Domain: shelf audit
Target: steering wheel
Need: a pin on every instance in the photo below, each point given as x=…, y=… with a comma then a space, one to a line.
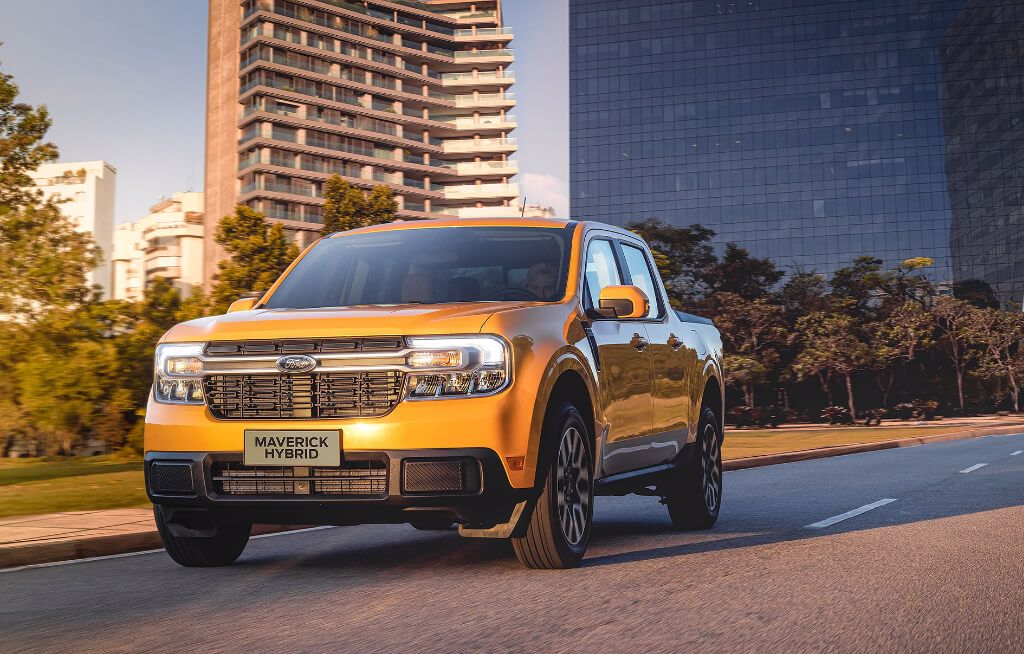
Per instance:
x=516, y=294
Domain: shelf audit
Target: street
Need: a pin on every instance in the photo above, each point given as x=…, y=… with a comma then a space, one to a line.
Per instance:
x=913, y=549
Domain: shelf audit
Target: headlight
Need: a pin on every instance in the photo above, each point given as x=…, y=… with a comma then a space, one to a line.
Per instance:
x=178, y=377
x=457, y=366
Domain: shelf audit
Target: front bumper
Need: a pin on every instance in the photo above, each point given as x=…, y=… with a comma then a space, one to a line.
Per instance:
x=487, y=501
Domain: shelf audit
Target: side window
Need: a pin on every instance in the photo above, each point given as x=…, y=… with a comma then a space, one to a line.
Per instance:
x=640, y=275
x=601, y=269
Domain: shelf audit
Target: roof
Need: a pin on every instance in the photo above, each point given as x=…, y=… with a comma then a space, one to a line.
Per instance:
x=462, y=222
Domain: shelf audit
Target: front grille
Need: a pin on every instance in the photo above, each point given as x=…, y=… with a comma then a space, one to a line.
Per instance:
x=317, y=395
x=358, y=478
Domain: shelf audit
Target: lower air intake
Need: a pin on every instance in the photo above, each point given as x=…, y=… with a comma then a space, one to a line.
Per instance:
x=440, y=476
x=171, y=478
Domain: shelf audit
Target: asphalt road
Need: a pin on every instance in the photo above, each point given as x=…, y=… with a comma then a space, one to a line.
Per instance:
x=940, y=568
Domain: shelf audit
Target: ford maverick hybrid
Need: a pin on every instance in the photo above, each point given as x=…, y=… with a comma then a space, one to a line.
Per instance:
x=494, y=375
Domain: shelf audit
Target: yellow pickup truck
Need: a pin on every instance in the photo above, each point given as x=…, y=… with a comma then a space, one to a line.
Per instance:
x=497, y=375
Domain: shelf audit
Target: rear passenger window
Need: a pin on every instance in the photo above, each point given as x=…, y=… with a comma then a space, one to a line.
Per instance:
x=640, y=275
x=601, y=269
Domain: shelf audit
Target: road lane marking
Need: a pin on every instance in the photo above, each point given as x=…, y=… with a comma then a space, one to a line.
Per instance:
x=124, y=555
x=1016, y=453
x=828, y=522
x=973, y=468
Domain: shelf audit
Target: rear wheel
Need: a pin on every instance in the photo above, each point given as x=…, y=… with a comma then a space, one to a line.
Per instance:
x=221, y=548
x=694, y=496
x=559, y=528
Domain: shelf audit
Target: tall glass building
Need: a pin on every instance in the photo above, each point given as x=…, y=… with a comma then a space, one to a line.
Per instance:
x=809, y=131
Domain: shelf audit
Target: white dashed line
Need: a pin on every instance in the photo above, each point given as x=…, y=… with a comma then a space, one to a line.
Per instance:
x=828, y=522
x=973, y=468
x=1017, y=452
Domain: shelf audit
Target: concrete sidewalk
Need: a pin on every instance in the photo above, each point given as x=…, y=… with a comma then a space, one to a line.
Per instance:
x=30, y=539
x=75, y=535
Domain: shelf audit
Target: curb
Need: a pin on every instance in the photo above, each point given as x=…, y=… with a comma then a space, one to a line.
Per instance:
x=86, y=548
x=840, y=450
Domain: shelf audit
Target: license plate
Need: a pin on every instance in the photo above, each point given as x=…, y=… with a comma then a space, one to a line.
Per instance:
x=292, y=448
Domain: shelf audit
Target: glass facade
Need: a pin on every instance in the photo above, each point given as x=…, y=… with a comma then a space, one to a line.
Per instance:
x=808, y=131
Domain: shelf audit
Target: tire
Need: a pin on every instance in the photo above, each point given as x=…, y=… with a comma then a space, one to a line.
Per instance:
x=559, y=529
x=206, y=552
x=694, y=497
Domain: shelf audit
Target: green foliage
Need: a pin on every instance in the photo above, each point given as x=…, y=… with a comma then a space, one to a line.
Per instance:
x=749, y=277
x=347, y=207
x=258, y=251
x=683, y=256
x=22, y=147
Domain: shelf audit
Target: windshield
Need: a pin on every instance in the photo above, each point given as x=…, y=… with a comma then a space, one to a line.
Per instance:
x=430, y=266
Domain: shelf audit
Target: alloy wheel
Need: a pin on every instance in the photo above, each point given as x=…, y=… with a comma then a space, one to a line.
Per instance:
x=711, y=454
x=572, y=480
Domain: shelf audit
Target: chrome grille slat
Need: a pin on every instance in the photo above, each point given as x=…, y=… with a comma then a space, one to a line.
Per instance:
x=315, y=395
x=304, y=346
x=357, y=478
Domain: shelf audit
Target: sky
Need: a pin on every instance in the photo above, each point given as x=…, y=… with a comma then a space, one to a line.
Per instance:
x=125, y=82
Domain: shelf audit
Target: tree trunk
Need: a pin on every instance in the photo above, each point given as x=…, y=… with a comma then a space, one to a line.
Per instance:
x=960, y=388
x=1015, y=393
x=849, y=395
x=825, y=387
x=748, y=395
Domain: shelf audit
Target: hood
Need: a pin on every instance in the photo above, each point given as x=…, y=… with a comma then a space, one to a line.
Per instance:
x=367, y=320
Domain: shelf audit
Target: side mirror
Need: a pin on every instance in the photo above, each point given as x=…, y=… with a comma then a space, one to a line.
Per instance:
x=623, y=302
x=244, y=304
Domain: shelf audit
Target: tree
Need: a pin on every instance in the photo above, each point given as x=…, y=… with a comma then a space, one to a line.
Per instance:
x=898, y=338
x=259, y=253
x=752, y=333
x=49, y=259
x=1000, y=338
x=682, y=254
x=977, y=293
x=343, y=205
x=738, y=272
x=803, y=292
x=380, y=206
x=43, y=259
x=858, y=284
x=347, y=207
x=22, y=148
x=954, y=318
x=830, y=346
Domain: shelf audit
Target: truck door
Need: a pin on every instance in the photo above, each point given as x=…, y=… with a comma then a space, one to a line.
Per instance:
x=625, y=367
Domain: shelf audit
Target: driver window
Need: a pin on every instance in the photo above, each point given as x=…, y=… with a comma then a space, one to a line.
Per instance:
x=601, y=269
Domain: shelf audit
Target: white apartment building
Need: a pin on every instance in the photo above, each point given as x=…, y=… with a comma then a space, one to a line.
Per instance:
x=86, y=189
x=166, y=243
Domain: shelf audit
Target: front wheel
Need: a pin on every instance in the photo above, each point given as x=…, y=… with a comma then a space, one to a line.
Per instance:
x=221, y=548
x=559, y=528
x=694, y=496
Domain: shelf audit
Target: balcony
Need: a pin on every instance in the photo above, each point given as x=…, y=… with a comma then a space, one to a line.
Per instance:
x=509, y=122
x=482, y=100
x=481, y=191
x=483, y=168
x=484, y=56
x=490, y=78
x=484, y=34
x=480, y=212
x=480, y=145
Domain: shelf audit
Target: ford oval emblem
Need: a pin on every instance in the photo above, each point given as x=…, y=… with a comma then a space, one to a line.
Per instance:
x=296, y=363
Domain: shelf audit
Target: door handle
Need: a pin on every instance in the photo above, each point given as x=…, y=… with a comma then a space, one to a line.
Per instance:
x=675, y=342
x=639, y=342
